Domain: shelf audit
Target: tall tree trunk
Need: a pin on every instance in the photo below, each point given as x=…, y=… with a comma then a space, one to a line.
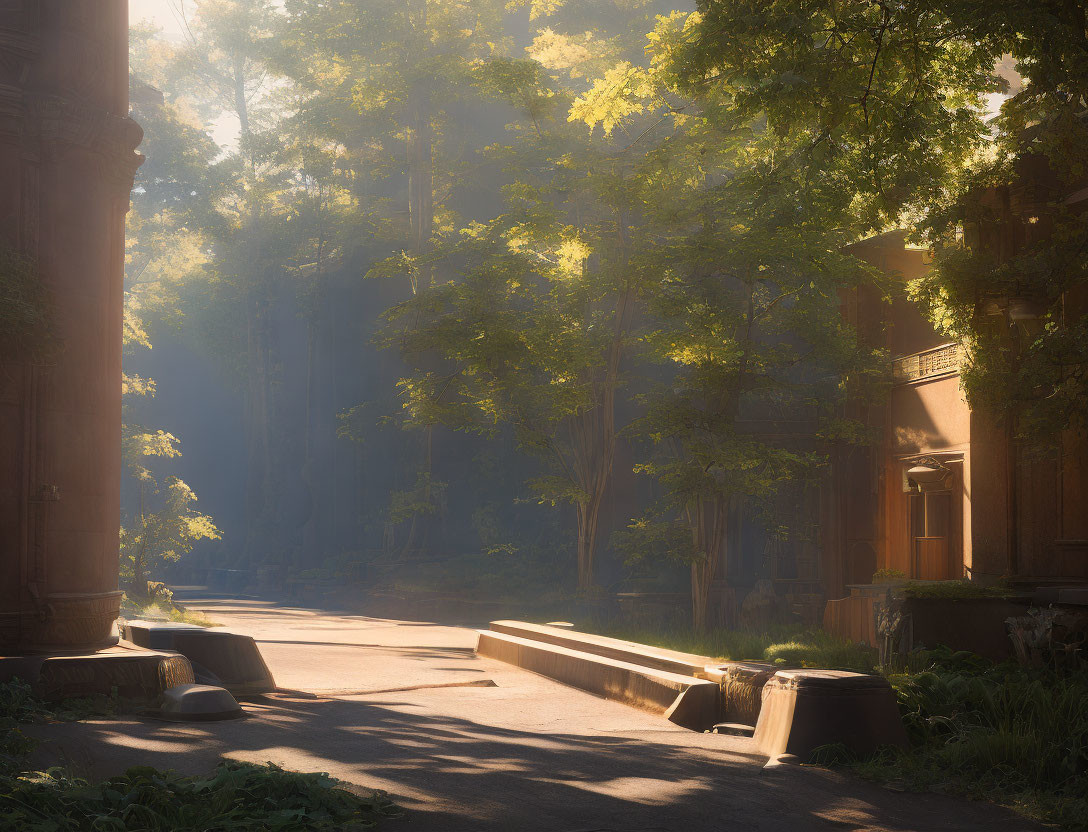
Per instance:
x=419, y=533
x=708, y=518
x=708, y=521
x=594, y=445
x=421, y=220
x=309, y=531
x=139, y=582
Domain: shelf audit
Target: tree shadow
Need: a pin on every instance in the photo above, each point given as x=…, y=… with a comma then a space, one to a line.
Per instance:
x=457, y=774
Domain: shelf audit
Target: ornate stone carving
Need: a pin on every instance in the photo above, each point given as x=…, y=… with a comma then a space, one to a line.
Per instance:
x=77, y=619
x=940, y=361
x=115, y=138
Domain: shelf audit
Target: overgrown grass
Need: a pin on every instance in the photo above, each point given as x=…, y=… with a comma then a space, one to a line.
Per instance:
x=1003, y=733
x=790, y=646
x=954, y=590
x=998, y=732
x=236, y=797
x=162, y=610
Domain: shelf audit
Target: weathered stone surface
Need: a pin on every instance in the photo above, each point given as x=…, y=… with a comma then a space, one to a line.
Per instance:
x=672, y=661
x=805, y=709
x=689, y=702
x=67, y=162
x=219, y=657
x=134, y=673
x=198, y=703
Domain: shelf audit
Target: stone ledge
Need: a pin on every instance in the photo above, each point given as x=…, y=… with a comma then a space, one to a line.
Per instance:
x=805, y=709
x=688, y=702
x=643, y=655
x=133, y=673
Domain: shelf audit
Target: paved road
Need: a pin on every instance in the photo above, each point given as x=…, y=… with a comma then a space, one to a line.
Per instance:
x=472, y=744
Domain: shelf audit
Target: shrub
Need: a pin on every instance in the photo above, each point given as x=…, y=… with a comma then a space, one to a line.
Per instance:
x=236, y=797
x=1001, y=732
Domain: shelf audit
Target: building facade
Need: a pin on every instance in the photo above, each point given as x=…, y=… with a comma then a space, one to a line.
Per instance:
x=947, y=493
x=67, y=161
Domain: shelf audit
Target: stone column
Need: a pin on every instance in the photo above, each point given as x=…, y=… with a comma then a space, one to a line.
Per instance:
x=67, y=161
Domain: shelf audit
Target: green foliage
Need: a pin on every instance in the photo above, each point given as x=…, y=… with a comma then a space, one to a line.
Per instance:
x=163, y=535
x=25, y=308
x=889, y=576
x=954, y=589
x=162, y=609
x=424, y=499
x=649, y=539
x=793, y=646
x=17, y=705
x=526, y=576
x=996, y=732
x=886, y=103
x=236, y=797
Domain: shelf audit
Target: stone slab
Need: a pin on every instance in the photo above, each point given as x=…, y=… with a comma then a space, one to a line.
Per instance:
x=689, y=702
x=219, y=657
x=132, y=672
x=671, y=661
x=805, y=709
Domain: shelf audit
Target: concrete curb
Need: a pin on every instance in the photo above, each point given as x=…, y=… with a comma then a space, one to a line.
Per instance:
x=658, y=658
x=688, y=702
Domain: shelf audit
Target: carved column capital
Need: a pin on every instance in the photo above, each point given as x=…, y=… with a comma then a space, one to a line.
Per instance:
x=63, y=122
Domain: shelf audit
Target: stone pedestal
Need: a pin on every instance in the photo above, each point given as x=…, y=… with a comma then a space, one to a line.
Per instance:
x=805, y=709
x=131, y=672
x=67, y=162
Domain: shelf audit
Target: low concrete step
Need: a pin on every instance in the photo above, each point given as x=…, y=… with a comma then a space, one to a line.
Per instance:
x=689, y=702
x=671, y=661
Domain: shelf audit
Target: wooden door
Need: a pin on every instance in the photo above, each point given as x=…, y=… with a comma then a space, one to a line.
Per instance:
x=932, y=544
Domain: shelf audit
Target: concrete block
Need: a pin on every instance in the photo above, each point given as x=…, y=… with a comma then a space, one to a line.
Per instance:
x=218, y=657
x=689, y=702
x=133, y=673
x=671, y=661
x=805, y=709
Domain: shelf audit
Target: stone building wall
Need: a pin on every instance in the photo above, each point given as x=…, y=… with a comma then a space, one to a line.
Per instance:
x=67, y=161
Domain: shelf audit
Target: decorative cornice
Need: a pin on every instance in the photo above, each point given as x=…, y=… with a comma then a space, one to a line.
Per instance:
x=61, y=121
x=928, y=364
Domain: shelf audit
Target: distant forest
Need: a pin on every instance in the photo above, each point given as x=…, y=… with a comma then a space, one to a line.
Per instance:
x=542, y=297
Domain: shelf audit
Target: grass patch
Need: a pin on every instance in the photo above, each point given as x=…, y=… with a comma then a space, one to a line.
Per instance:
x=954, y=590
x=236, y=797
x=163, y=610
x=998, y=732
x=789, y=646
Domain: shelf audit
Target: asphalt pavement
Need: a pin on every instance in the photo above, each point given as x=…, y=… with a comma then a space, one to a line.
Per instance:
x=465, y=743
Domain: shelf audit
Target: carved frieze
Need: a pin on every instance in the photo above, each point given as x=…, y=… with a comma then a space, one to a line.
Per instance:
x=61, y=121
x=939, y=361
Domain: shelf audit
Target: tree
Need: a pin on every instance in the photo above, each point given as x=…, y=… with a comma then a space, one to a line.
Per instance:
x=892, y=97
x=743, y=311
x=166, y=250
x=164, y=525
